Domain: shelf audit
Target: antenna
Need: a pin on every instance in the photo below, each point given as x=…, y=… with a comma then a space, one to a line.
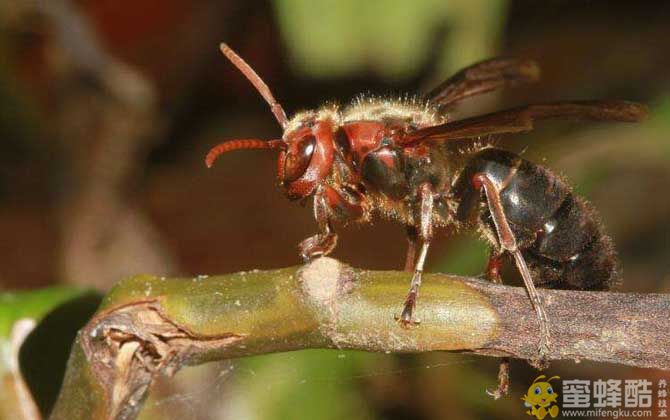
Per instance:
x=230, y=145
x=258, y=83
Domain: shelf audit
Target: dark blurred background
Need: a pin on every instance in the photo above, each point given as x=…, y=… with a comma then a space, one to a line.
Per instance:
x=108, y=107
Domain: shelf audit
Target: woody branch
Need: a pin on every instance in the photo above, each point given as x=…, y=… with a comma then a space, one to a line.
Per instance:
x=149, y=326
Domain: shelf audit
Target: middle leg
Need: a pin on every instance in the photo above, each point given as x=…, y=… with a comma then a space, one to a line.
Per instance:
x=425, y=234
x=412, y=239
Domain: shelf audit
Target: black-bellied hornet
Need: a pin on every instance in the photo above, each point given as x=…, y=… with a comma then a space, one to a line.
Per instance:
x=408, y=161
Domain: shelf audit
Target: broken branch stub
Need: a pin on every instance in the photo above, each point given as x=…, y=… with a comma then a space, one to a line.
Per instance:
x=149, y=326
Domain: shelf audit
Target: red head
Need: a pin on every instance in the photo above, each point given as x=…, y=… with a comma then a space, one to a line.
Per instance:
x=306, y=151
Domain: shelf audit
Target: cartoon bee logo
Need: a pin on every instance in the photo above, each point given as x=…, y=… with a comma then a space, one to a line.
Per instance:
x=541, y=398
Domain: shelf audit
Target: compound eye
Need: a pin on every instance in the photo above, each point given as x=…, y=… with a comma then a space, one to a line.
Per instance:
x=538, y=391
x=298, y=158
x=550, y=390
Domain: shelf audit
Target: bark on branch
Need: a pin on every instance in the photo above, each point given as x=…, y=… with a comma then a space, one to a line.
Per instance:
x=149, y=326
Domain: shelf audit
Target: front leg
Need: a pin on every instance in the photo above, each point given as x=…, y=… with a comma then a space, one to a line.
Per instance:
x=324, y=242
x=425, y=233
x=330, y=204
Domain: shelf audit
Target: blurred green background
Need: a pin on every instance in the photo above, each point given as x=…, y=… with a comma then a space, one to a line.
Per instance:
x=108, y=107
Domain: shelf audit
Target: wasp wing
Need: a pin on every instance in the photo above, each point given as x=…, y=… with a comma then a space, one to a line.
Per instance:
x=517, y=120
x=483, y=77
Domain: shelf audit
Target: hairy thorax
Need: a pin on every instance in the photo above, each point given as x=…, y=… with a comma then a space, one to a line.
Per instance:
x=369, y=158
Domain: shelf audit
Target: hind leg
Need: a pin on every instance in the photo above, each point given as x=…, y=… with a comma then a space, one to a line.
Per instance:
x=508, y=243
x=493, y=274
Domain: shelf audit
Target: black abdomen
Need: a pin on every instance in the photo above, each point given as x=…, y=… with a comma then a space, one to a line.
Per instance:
x=557, y=232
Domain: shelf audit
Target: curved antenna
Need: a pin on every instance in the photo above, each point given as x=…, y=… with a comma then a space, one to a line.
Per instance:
x=258, y=83
x=230, y=145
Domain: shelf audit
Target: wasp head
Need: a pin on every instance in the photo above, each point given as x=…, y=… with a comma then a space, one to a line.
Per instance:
x=307, y=159
x=306, y=148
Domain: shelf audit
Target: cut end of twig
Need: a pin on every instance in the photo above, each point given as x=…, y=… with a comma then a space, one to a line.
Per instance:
x=131, y=346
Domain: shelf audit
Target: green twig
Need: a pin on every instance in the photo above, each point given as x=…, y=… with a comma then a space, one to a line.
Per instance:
x=150, y=326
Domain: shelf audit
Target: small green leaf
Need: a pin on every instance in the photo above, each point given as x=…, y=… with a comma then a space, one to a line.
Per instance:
x=33, y=304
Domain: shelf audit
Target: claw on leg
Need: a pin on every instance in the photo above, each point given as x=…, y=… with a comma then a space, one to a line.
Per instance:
x=324, y=242
x=405, y=319
x=317, y=245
